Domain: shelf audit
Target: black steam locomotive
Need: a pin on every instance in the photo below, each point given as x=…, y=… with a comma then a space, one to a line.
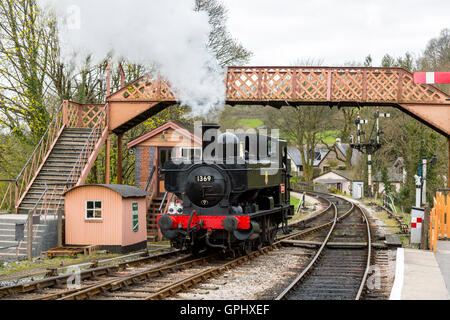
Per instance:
x=234, y=197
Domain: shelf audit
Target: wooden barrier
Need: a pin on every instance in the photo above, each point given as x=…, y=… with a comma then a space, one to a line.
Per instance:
x=439, y=218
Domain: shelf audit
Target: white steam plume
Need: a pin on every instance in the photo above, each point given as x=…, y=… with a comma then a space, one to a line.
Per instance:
x=168, y=33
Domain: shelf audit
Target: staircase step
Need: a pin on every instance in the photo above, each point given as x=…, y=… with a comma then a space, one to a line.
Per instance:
x=58, y=167
x=61, y=164
x=12, y=232
x=50, y=204
x=11, y=238
x=26, y=210
x=38, y=189
x=7, y=243
x=64, y=149
x=78, y=130
x=50, y=174
x=71, y=141
x=47, y=181
x=61, y=153
x=12, y=255
x=61, y=159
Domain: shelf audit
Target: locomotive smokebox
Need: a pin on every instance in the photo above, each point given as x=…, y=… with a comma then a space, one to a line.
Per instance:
x=209, y=140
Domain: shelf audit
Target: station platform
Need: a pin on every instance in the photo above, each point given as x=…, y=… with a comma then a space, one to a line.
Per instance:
x=422, y=275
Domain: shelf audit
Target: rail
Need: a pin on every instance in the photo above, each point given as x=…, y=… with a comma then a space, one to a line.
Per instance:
x=308, y=269
x=313, y=260
x=128, y=281
x=93, y=272
x=369, y=254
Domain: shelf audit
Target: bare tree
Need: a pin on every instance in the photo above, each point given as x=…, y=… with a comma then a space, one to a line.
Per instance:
x=25, y=55
x=228, y=51
x=301, y=126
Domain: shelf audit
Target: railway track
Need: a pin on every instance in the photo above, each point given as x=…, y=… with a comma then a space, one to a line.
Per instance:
x=6, y=281
x=55, y=285
x=140, y=280
x=340, y=267
x=167, y=280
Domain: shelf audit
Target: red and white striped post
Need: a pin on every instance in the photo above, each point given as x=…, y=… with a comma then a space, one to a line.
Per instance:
x=435, y=78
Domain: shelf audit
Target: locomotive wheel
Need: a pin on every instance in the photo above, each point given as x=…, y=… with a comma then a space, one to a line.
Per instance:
x=257, y=244
x=196, y=248
x=271, y=232
x=248, y=246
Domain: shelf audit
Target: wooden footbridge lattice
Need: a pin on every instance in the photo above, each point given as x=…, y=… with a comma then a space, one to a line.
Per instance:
x=146, y=96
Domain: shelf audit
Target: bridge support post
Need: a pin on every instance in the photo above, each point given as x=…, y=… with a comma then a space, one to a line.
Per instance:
x=30, y=236
x=60, y=227
x=369, y=174
x=119, y=158
x=108, y=159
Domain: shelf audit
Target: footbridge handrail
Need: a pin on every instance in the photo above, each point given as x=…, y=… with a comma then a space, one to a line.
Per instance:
x=69, y=115
x=31, y=168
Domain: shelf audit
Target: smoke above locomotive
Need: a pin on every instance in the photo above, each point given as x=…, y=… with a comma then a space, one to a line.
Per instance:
x=168, y=37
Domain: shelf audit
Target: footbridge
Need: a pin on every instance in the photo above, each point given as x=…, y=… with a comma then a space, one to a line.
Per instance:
x=68, y=149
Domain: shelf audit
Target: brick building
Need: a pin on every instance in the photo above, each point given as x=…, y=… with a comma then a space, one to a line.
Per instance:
x=151, y=151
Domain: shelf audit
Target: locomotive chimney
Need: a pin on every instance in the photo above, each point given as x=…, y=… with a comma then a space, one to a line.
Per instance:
x=209, y=140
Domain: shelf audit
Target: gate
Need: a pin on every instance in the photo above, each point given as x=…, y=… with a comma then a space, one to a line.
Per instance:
x=439, y=218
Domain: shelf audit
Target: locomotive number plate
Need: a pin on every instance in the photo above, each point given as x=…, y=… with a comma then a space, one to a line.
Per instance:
x=204, y=178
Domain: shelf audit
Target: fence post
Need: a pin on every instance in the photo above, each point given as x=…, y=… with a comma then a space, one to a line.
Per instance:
x=16, y=197
x=425, y=229
x=60, y=229
x=30, y=236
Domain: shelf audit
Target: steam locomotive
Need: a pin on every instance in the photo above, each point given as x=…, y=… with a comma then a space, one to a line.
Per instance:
x=234, y=197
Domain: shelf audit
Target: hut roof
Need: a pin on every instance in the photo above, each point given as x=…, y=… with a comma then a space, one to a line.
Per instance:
x=124, y=190
x=180, y=128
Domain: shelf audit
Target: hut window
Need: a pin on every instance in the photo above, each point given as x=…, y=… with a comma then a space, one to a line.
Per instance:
x=93, y=209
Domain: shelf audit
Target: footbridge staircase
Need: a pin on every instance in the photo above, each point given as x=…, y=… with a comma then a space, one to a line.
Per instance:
x=61, y=160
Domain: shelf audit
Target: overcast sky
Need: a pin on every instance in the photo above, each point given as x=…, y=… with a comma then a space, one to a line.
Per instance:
x=280, y=32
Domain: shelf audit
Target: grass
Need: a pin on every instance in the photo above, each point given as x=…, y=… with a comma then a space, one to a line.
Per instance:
x=251, y=123
x=329, y=136
x=296, y=202
x=37, y=264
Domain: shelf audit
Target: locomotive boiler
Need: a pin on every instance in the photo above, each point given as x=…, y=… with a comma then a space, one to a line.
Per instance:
x=234, y=197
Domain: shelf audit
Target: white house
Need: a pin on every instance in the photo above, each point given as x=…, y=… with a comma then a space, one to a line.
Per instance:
x=396, y=176
x=340, y=180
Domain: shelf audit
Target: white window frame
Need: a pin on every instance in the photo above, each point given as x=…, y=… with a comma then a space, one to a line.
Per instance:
x=86, y=210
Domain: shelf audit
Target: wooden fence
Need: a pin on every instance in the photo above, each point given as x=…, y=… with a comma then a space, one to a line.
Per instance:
x=439, y=218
